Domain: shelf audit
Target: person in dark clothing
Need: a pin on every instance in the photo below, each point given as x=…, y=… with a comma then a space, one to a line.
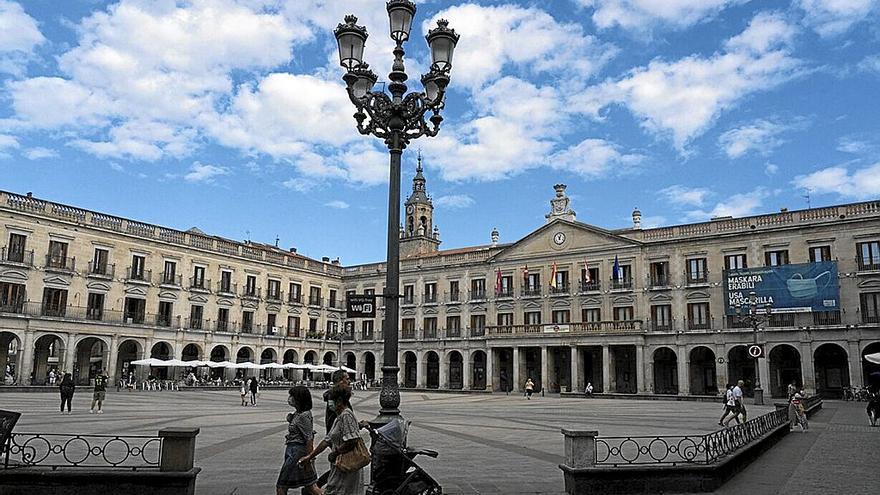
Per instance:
x=100, y=392
x=67, y=387
x=255, y=388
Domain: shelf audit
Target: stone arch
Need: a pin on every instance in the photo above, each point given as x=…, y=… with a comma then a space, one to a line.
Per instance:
x=218, y=354
x=665, y=371
x=410, y=369
x=269, y=355
x=310, y=357
x=290, y=356
x=350, y=360
x=741, y=366
x=49, y=353
x=432, y=369
x=702, y=371
x=244, y=354
x=478, y=367
x=329, y=358
x=10, y=356
x=831, y=366
x=191, y=352
x=455, y=365
x=370, y=365
x=161, y=350
x=785, y=368
x=92, y=357
x=128, y=350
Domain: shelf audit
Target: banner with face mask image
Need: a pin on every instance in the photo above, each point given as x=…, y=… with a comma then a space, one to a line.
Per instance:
x=796, y=288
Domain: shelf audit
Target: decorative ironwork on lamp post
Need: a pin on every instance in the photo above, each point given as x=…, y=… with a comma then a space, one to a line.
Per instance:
x=754, y=316
x=397, y=119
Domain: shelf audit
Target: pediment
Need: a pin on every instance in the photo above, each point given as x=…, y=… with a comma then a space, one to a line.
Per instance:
x=56, y=280
x=577, y=238
x=314, y=313
x=561, y=303
x=478, y=308
x=273, y=308
x=430, y=311
x=505, y=306
x=622, y=300
x=453, y=310
x=100, y=286
x=13, y=275
x=660, y=297
x=407, y=312
x=225, y=302
x=247, y=304
x=532, y=304
x=136, y=291
x=590, y=301
x=697, y=294
x=197, y=298
x=167, y=294
x=332, y=316
x=870, y=283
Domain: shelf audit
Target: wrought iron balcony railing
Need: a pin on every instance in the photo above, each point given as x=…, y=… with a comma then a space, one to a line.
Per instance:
x=101, y=269
x=17, y=257
x=531, y=291
x=252, y=292
x=138, y=275
x=170, y=279
x=429, y=298
x=621, y=284
x=295, y=298
x=868, y=263
x=453, y=296
x=227, y=288
x=63, y=263
x=592, y=286
x=199, y=284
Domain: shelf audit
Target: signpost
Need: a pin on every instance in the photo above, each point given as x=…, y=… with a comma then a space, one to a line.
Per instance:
x=360, y=306
x=756, y=351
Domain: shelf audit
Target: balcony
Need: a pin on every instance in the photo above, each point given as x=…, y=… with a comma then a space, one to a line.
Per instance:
x=622, y=284
x=316, y=301
x=407, y=333
x=164, y=320
x=659, y=281
x=224, y=326
x=408, y=300
x=590, y=286
x=251, y=292
x=868, y=264
x=429, y=298
x=825, y=318
x=560, y=290
x=53, y=310
x=531, y=292
x=276, y=296
x=664, y=325
x=477, y=295
x=170, y=280
x=698, y=278
x=60, y=263
x=227, y=289
x=596, y=327
x=17, y=257
x=366, y=335
x=138, y=275
x=194, y=323
x=336, y=304
x=478, y=331
x=90, y=314
x=453, y=333
x=14, y=307
x=453, y=297
x=295, y=298
x=101, y=270
x=505, y=293
x=199, y=284
x=699, y=323
x=430, y=333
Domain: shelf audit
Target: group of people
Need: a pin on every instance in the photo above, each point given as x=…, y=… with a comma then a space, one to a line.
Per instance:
x=67, y=387
x=251, y=388
x=342, y=436
x=733, y=405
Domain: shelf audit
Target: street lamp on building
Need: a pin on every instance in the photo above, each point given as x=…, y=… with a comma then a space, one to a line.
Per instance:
x=754, y=316
x=396, y=119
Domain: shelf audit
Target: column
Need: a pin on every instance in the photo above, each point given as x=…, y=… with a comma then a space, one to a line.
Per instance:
x=422, y=370
x=606, y=369
x=69, y=354
x=721, y=379
x=808, y=370
x=444, y=373
x=576, y=383
x=516, y=381
x=649, y=376
x=467, y=369
x=764, y=366
x=545, y=382
x=856, y=376
x=490, y=371
x=26, y=365
x=684, y=382
x=640, y=369
x=111, y=362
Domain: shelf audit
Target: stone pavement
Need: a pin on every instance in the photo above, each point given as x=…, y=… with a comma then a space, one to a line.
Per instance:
x=488, y=443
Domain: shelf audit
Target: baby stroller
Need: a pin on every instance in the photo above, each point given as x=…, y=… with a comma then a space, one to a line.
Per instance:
x=393, y=469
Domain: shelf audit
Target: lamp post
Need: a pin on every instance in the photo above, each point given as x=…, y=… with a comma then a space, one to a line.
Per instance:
x=754, y=319
x=396, y=120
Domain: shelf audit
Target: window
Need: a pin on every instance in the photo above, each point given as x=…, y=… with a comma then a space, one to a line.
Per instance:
x=54, y=302
x=561, y=282
x=820, y=253
x=163, y=319
x=532, y=317
x=168, y=276
x=533, y=283
x=370, y=292
x=247, y=321
x=430, y=292
x=332, y=329
x=99, y=262
x=776, y=258
x=868, y=255
x=781, y=320
x=137, y=269
x=826, y=318
x=409, y=294
x=478, y=325
x=274, y=290
x=11, y=297
x=295, y=295
x=195, y=317
x=661, y=317
x=408, y=328
x=506, y=288
x=696, y=271
x=315, y=296
x=870, y=306
x=367, y=329
x=226, y=282
x=623, y=280
x=198, y=280
x=660, y=274
x=223, y=320
x=250, y=286
x=271, y=328
x=505, y=319
x=453, y=326
x=16, y=248
x=95, y=308
x=57, y=255
x=698, y=316
x=623, y=313
x=478, y=288
x=735, y=262
x=430, y=326
x=332, y=298
x=591, y=315
x=561, y=316
x=134, y=310
x=590, y=279
x=293, y=326
x=453, y=291
x=313, y=325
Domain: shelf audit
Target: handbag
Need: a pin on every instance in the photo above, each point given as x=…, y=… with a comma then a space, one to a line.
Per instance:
x=354, y=459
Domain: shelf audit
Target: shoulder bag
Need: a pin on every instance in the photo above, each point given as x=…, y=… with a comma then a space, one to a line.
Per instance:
x=354, y=459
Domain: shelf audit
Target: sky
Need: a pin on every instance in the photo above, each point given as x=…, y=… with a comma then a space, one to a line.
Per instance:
x=231, y=115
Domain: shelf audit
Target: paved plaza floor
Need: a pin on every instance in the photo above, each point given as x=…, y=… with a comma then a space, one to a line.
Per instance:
x=487, y=443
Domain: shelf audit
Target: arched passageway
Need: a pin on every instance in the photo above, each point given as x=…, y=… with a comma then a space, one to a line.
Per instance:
x=832, y=370
x=219, y=354
x=161, y=350
x=129, y=350
x=290, y=356
x=48, y=354
x=785, y=368
x=456, y=371
x=871, y=371
x=665, y=371
x=741, y=366
x=702, y=371
x=478, y=380
x=370, y=366
x=91, y=358
x=410, y=370
x=432, y=362
x=10, y=345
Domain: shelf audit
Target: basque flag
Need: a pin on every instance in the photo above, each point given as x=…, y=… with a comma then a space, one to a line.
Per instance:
x=553, y=276
x=498, y=282
x=617, y=272
x=587, y=279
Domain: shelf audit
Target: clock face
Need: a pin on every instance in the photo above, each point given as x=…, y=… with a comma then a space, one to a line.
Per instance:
x=559, y=238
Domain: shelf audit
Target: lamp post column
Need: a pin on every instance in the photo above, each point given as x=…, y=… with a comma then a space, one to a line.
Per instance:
x=759, y=392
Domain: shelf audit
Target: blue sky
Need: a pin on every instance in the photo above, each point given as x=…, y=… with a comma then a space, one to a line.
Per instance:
x=230, y=115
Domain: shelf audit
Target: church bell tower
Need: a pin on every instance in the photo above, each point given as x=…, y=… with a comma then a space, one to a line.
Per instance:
x=419, y=235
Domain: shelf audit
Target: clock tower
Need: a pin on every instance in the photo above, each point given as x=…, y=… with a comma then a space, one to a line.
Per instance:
x=419, y=235
x=560, y=206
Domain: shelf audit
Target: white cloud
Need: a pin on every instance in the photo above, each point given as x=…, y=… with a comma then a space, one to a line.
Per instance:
x=454, y=201
x=19, y=36
x=338, y=204
x=738, y=205
x=200, y=172
x=644, y=14
x=39, y=153
x=683, y=195
x=7, y=142
x=871, y=63
x=834, y=17
x=758, y=59
x=850, y=144
x=594, y=158
x=771, y=169
x=760, y=136
x=861, y=183
x=299, y=184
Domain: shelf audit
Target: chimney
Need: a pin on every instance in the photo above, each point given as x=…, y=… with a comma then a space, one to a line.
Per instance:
x=495, y=236
x=335, y=261
x=293, y=250
x=30, y=194
x=325, y=259
x=637, y=218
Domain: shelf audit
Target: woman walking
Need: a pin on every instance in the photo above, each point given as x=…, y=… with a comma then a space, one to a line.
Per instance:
x=299, y=442
x=530, y=388
x=67, y=387
x=343, y=437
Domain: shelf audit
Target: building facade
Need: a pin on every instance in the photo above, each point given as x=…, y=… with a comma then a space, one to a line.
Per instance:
x=629, y=311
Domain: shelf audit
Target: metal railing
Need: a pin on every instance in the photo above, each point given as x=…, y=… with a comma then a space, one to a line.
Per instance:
x=172, y=279
x=531, y=291
x=477, y=295
x=102, y=269
x=429, y=298
x=657, y=281
x=252, y=292
x=199, y=283
x=277, y=296
x=677, y=450
x=138, y=275
x=56, y=262
x=585, y=286
x=559, y=289
x=614, y=326
x=16, y=256
x=315, y=300
x=295, y=299
x=867, y=264
x=453, y=296
x=622, y=284
x=56, y=450
x=229, y=288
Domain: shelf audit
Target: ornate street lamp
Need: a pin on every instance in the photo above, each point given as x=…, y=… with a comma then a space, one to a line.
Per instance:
x=754, y=319
x=397, y=120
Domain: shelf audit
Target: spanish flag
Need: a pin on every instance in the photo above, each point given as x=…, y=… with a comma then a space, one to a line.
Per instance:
x=553, y=276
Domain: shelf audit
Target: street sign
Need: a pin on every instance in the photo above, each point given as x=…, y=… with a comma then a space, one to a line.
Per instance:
x=756, y=351
x=360, y=306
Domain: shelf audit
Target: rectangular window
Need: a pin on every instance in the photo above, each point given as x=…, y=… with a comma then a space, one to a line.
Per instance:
x=315, y=296
x=868, y=255
x=223, y=320
x=776, y=258
x=250, y=286
x=134, y=310
x=274, y=290
x=590, y=279
x=163, y=318
x=99, y=262
x=367, y=329
x=735, y=262
x=453, y=326
x=370, y=292
x=591, y=315
x=623, y=313
x=478, y=288
x=95, y=308
x=198, y=279
x=137, y=270
x=430, y=326
x=54, y=302
x=170, y=273
x=478, y=325
x=293, y=326
x=561, y=282
x=247, y=321
x=295, y=295
x=226, y=282
x=698, y=316
x=661, y=317
x=16, y=247
x=533, y=282
x=505, y=319
x=271, y=327
x=313, y=325
x=409, y=292
x=696, y=271
x=430, y=295
x=453, y=291
x=820, y=253
x=660, y=274
x=57, y=255
x=195, y=317
x=561, y=316
x=11, y=297
x=623, y=278
x=870, y=306
x=408, y=328
x=532, y=317
x=505, y=289
x=332, y=298
x=332, y=329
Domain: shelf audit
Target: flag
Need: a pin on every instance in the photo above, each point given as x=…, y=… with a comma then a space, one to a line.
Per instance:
x=587, y=279
x=498, y=282
x=553, y=276
x=617, y=272
x=525, y=271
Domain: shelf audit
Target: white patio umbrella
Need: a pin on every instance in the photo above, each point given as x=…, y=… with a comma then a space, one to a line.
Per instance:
x=873, y=358
x=296, y=366
x=146, y=362
x=221, y=364
x=274, y=366
x=249, y=366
